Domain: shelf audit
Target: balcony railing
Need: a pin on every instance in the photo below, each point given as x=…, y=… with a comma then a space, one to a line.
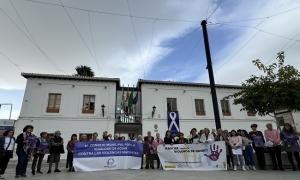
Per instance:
x=132, y=118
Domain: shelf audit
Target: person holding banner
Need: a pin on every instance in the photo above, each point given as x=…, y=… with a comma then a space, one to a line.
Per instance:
x=70, y=148
x=7, y=145
x=168, y=138
x=157, y=141
x=94, y=137
x=223, y=136
x=105, y=136
x=83, y=138
x=140, y=140
x=194, y=138
x=181, y=139
x=26, y=142
x=235, y=142
x=206, y=136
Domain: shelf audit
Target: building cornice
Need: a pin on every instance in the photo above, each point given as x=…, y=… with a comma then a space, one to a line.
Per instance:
x=70, y=77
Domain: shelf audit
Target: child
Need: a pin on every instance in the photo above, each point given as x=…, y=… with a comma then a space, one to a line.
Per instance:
x=235, y=142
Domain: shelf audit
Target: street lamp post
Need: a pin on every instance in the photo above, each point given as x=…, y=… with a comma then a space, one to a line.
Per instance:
x=7, y=104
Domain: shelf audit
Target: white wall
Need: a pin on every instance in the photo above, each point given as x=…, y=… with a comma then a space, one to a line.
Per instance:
x=157, y=95
x=296, y=117
x=70, y=119
x=36, y=98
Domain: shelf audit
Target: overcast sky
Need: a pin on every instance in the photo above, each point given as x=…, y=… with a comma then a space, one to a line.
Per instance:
x=148, y=39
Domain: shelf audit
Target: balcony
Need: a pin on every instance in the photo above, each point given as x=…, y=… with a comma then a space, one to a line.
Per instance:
x=132, y=118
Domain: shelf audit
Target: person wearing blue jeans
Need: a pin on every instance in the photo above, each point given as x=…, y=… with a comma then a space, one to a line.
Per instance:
x=248, y=150
x=22, y=164
x=24, y=144
x=248, y=155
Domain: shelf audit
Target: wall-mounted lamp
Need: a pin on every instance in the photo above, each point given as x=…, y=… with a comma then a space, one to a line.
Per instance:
x=39, y=84
x=156, y=89
x=105, y=87
x=153, y=111
x=73, y=85
x=102, y=108
x=184, y=91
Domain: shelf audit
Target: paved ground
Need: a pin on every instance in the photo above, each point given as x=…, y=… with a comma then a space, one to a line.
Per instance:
x=160, y=175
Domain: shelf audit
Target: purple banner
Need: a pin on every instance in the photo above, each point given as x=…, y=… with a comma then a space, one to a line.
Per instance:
x=108, y=148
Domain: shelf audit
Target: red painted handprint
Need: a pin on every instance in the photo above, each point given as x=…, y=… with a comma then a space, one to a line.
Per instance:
x=215, y=153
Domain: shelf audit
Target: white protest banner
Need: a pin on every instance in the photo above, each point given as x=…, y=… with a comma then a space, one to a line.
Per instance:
x=199, y=157
x=107, y=155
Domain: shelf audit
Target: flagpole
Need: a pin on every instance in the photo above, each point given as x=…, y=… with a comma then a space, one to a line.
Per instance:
x=122, y=105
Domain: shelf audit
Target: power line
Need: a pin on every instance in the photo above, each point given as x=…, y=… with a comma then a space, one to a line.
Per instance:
x=262, y=31
x=114, y=13
x=151, y=40
x=92, y=35
x=243, y=46
x=133, y=29
x=213, y=12
x=284, y=48
x=11, y=61
x=79, y=34
x=257, y=18
x=31, y=40
x=165, y=19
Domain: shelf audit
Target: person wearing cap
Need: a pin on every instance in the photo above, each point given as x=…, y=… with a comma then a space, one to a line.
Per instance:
x=56, y=145
x=7, y=144
x=258, y=143
x=26, y=143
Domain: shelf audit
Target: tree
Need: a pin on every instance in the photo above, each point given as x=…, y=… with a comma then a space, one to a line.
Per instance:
x=278, y=88
x=83, y=70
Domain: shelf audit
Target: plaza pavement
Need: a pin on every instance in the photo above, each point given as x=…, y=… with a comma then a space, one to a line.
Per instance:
x=156, y=175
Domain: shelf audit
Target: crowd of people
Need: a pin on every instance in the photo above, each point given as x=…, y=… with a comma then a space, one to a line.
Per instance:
x=240, y=147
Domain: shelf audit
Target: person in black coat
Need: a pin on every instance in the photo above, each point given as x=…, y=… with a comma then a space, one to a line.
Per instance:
x=258, y=142
x=26, y=142
x=7, y=144
x=56, y=145
x=168, y=138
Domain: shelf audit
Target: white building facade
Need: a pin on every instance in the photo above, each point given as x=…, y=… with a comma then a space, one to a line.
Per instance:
x=53, y=103
x=84, y=105
x=194, y=106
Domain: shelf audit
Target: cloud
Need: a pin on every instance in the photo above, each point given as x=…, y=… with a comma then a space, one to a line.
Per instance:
x=234, y=62
x=54, y=39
